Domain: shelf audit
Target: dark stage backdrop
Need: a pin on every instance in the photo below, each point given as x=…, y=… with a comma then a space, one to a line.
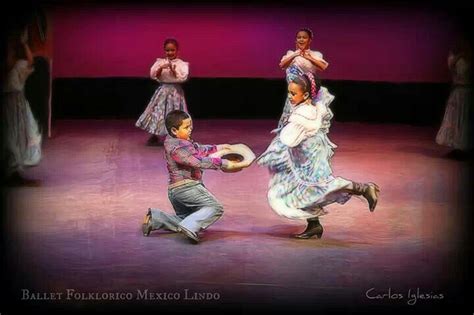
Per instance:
x=123, y=98
x=387, y=62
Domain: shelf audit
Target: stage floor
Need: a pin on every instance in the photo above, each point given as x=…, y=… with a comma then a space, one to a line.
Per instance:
x=80, y=228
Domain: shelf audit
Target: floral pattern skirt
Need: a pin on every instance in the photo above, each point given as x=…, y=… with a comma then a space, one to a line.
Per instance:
x=302, y=182
x=167, y=97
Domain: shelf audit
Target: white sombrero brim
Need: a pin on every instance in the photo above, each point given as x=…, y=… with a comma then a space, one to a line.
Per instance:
x=240, y=149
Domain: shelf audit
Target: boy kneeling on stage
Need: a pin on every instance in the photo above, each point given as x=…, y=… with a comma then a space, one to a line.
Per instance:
x=195, y=207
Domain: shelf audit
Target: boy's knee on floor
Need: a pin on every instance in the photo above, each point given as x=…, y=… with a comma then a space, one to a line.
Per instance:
x=219, y=209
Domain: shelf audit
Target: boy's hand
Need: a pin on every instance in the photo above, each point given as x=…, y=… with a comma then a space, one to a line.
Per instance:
x=232, y=166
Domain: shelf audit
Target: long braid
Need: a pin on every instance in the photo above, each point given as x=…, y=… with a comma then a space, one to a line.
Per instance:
x=308, y=82
x=313, y=89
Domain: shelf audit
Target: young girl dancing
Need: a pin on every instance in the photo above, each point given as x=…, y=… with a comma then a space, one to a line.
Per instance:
x=169, y=96
x=299, y=159
x=300, y=61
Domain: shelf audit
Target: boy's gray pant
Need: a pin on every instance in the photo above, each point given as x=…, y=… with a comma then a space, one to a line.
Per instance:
x=196, y=208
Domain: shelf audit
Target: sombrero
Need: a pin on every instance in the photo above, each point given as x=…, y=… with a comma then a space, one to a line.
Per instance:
x=237, y=153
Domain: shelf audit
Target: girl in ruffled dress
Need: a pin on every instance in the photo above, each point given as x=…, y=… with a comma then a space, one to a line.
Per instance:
x=300, y=61
x=299, y=160
x=170, y=72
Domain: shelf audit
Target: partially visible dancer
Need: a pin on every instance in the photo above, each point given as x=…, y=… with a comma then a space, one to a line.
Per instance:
x=21, y=135
x=456, y=125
